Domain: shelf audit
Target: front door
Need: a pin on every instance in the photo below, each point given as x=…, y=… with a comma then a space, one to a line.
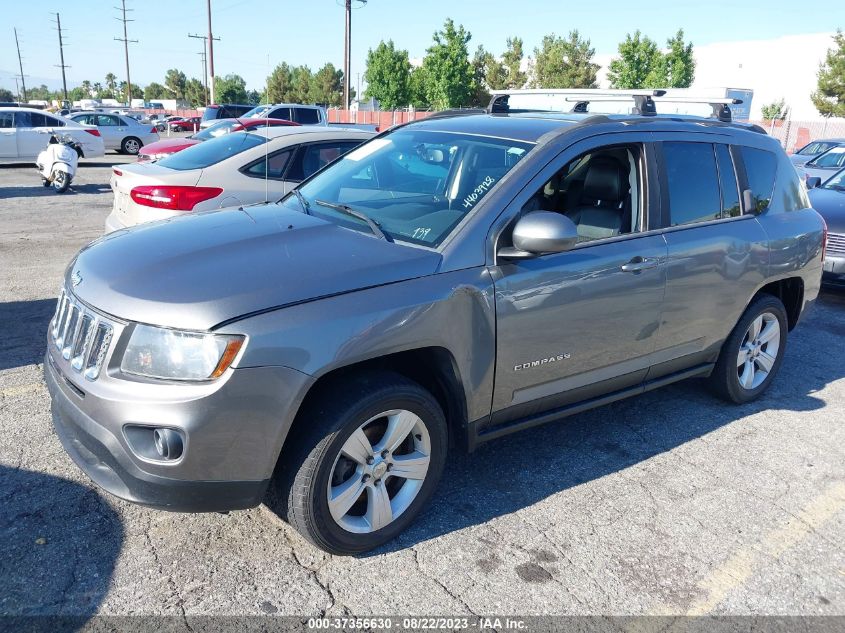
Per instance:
x=575, y=325
x=8, y=136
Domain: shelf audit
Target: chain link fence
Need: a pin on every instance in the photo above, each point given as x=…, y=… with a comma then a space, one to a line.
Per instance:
x=793, y=135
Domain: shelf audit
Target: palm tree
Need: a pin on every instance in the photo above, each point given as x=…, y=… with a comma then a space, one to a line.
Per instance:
x=111, y=83
x=86, y=86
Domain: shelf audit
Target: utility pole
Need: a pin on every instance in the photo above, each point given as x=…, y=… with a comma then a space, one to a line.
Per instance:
x=61, y=55
x=125, y=39
x=204, y=39
x=347, y=50
x=210, y=53
x=20, y=64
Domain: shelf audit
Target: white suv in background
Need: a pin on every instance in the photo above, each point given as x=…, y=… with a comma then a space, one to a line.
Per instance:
x=298, y=113
x=24, y=132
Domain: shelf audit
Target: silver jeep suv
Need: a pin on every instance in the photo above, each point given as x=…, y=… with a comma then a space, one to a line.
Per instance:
x=448, y=282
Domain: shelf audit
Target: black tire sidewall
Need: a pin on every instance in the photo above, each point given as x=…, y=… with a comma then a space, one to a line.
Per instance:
x=325, y=531
x=726, y=367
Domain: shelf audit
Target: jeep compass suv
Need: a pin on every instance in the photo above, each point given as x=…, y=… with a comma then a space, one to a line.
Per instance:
x=448, y=282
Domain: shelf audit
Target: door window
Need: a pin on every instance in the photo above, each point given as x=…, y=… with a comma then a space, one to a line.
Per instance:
x=760, y=166
x=692, y=182
x=271, y=167
x=31, y=119
x=727, y=181
x=312, y=158
x=279, y=113
x=107, y=120
x=599, y=191
x=7, y=119
x=306, y=116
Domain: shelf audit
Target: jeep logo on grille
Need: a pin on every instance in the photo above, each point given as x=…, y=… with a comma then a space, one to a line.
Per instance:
x=76, y=278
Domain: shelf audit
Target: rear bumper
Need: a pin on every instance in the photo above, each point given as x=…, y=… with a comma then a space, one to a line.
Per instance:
x=100, y=456
x=113, y=223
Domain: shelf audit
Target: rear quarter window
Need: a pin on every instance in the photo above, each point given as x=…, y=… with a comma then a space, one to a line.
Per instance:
x=761, y=169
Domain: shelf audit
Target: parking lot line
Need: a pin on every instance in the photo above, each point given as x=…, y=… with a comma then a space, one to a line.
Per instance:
x=735, y=571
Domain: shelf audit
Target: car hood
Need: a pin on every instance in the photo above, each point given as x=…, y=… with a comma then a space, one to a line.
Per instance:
x=199, y=270
x=831, y=206
x=168, y=145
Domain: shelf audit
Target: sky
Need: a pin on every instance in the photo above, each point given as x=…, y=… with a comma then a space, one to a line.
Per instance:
x=258, y=34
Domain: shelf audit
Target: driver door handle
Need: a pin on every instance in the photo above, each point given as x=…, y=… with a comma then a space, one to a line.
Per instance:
x=640, y=263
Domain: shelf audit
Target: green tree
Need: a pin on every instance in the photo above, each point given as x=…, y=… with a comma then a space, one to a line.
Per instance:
x=565, y=63
x=301, y=78
x=512, y=62
x=279, y=85
x=39, y=93
x=6, y=95
x=175, y=81
x=230, y=89
x=417, y=84
x=775, y=111
x=137, y=91
x=481, y=62
x=327, y=86
x=449, y=80
x=388, y=76
x=86, y=88
x=253, y=97
x=154, y=91
x=111, y=85
x=195, y=92
x=76, y=94
x=829, y=98
x=678, y=63
x=639, y=65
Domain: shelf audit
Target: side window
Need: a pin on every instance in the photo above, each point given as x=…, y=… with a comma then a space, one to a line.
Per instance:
x=280, y=113
x=312, y=158
x=760, y=166
x=39, y=120
x=692, y=182
x=107, y=120
x=54, y=122
x=272, y=167
x=7, y=120
x=599, y=191
x=306, y=116
x=727, y=180
x=23, y=119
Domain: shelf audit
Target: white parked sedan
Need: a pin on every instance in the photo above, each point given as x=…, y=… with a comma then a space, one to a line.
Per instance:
x=120, y=132
x=24, y=132
x=228, y=171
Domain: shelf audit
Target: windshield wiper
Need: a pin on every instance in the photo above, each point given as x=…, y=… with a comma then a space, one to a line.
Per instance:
x=306, y=206
x=343, y=208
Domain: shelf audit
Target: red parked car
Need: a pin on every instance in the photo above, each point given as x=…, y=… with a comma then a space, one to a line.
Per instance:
x=185, y=124
x=168, y=146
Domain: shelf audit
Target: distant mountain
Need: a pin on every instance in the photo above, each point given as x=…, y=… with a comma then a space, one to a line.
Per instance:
x=7, y=80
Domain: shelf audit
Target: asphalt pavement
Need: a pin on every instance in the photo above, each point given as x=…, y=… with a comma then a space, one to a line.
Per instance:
x=669, y=503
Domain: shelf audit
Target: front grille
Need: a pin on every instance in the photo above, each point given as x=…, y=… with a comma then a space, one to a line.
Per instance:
x=836, y=244
x=80, y=336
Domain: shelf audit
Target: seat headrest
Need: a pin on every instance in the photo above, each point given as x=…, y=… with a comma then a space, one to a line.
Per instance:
x=604, y=180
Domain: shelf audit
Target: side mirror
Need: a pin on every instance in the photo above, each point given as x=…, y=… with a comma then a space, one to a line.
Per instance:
x=541, y=232
x=813, y=182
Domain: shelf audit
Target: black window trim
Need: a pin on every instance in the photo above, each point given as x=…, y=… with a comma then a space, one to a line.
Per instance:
x=302, y=147
x=283, y=178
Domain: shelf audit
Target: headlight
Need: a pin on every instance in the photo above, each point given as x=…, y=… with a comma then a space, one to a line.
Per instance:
x=176, y=355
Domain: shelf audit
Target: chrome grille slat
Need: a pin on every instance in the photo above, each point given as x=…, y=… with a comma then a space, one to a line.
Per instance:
x=82, y=336
x=836, y=244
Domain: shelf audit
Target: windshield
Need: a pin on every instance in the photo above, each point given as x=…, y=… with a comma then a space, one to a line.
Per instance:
x=213, y=131
x=203, y=155
x=256, y=112
x=416, y=185
x=833, y=158
x=210, y=113
x=837, y=182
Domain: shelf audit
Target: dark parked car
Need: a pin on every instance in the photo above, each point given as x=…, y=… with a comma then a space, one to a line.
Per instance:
x=828, y=198
x=223, y=111
x=448, y=282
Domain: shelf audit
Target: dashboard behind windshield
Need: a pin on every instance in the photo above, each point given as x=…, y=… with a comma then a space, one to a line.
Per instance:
x=417, y=185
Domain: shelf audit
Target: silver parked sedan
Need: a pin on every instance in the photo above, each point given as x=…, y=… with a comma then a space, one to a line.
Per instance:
x=120, y=133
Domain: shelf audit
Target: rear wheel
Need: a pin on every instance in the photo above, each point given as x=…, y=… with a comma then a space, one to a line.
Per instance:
x=753, y=353
x=372, y=462
x=178, y=128
x=131, y=145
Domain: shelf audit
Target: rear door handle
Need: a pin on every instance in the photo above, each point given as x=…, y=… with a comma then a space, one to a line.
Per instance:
x=640, y=263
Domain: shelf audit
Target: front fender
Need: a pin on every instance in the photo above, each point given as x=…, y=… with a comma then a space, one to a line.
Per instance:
x=454, y=311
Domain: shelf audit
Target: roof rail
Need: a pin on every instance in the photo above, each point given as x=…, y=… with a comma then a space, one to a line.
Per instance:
x=443, y=114
x=644, y=100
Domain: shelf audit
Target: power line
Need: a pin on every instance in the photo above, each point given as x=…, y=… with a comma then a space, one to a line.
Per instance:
x=204, y=55
x=125, y=39
x=210, y=52
x=62, y=64
x=20, y=64
x=347, y=49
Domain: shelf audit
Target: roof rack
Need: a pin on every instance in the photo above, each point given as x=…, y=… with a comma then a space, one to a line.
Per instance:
x=644, y=100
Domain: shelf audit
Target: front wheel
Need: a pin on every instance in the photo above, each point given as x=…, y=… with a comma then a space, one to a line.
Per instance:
x=373, y=460
x=61, y=181
x=753, y=353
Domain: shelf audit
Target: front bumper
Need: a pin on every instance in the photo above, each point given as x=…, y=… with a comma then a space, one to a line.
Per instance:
x=834, y=268
x=99, y=448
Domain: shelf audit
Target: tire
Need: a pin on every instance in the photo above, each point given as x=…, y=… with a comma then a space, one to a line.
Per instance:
x=178, y=128
x=61, y=181
x=377, y=407
x=740, y=381
x=45, y=182
x=131, y=145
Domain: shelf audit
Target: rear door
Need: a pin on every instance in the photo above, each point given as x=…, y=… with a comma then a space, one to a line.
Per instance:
x=717, y=249
x=8, y=137
x=112, y=129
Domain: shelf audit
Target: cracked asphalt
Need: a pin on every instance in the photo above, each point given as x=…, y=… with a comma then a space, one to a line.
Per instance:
x=668, y=503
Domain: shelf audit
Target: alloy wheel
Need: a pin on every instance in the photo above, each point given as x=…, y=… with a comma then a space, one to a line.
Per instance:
x=758, y=351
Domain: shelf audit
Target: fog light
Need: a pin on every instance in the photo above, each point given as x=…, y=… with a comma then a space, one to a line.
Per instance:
x=168, y=443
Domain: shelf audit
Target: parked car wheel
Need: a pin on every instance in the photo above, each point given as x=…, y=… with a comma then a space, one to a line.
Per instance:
x=61, y=181
x=45, y=182
x=131, y=145
x=373, y=460
x=753, y=353
x=177, y=128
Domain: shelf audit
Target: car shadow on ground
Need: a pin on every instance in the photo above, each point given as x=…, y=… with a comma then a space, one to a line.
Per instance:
x=61, y=542
x=38, y=190
x=522, y=469
x=24, y=331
